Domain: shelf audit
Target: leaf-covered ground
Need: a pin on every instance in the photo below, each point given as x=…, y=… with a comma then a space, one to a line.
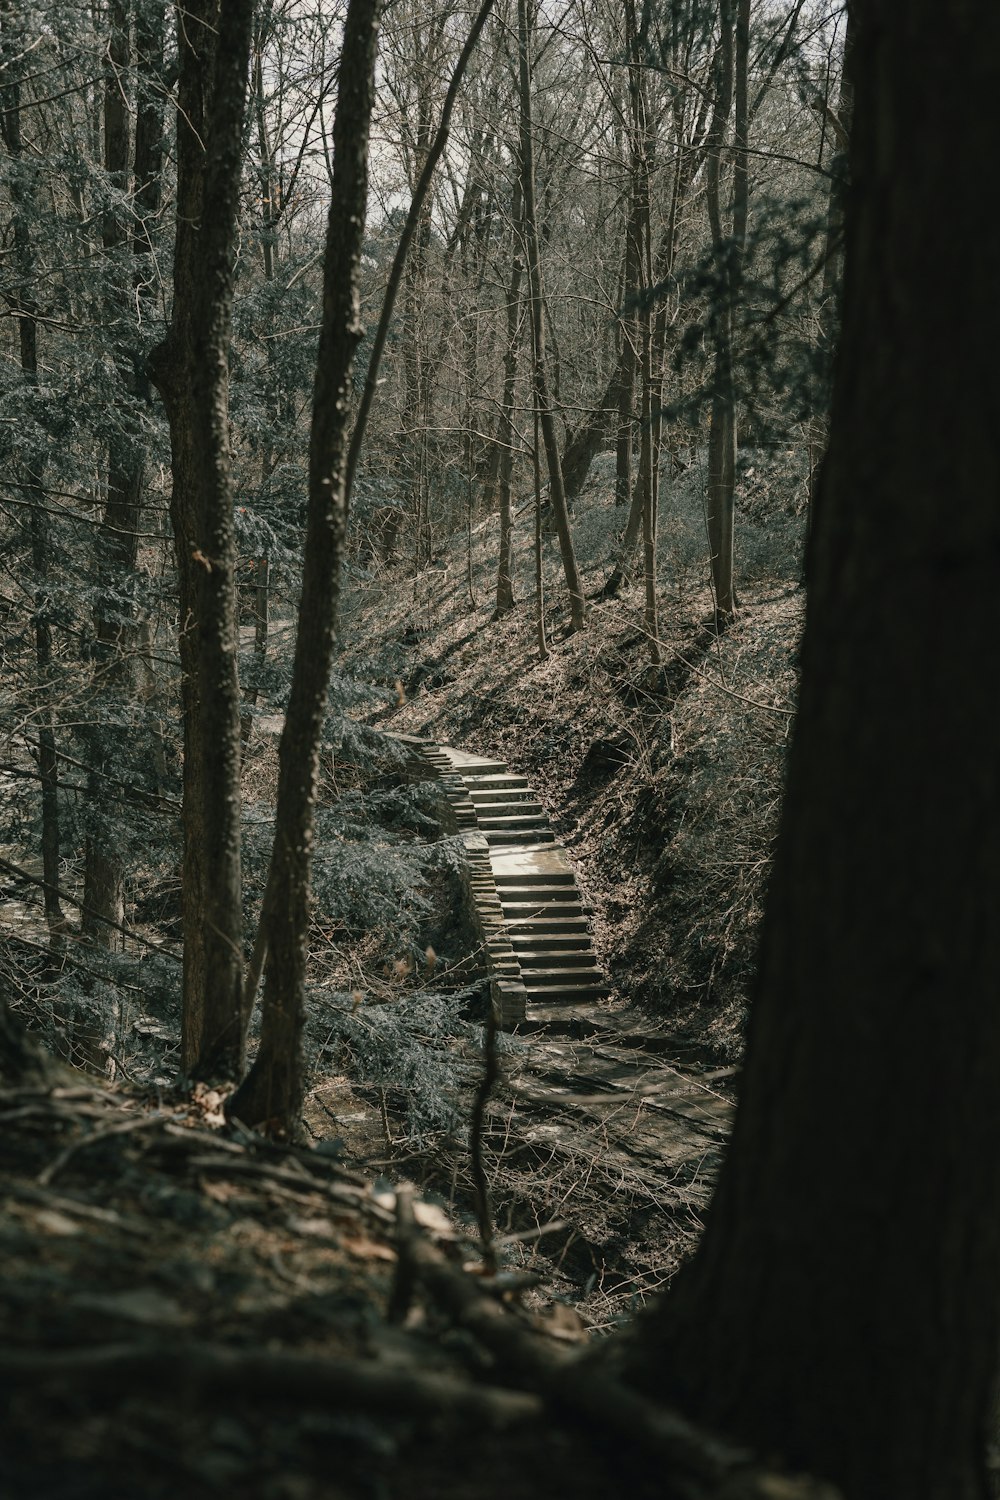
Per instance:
x=187, y=1309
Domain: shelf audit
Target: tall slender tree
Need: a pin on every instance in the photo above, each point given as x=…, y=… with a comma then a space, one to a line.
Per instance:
x=117, y=541
x=543, y=402
x=15, y=47
x=272, y=1091
x=191, y=370
x=729, y=242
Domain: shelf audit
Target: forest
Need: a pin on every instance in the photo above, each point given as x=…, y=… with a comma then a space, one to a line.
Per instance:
x=498, y=905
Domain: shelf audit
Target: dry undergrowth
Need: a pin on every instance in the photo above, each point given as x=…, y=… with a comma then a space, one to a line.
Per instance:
x=188, y=1309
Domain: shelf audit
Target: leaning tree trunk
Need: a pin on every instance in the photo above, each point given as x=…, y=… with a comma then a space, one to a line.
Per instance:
x=844, y=1307
x=192, y=373
x=271, y=1094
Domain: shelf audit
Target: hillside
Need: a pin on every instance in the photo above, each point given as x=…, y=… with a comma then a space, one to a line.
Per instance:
x=188, y=1307
x=665, y=793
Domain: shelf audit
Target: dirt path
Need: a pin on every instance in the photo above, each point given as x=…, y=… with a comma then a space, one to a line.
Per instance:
x=597, y=1126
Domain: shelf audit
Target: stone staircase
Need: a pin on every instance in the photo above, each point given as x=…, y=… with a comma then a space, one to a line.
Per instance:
x=534, y=922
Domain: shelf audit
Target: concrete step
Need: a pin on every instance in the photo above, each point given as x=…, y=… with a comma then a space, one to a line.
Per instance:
x=519, y=836
x=511, y=820
x=557, y=958
x=557, y=974
x=539, y=893
x=507, y=809
x=528, y=945
x=487, y=796
x=473, y=764
x=514, y=909
x=567, y=1019
x=563, y=994
x=529, y=877
x=495, y=783
x=573, y=926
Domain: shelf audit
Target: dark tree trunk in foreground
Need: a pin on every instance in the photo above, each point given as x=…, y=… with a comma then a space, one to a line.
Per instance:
x=844, y=1307
x=192, y=373
x=272, y=1092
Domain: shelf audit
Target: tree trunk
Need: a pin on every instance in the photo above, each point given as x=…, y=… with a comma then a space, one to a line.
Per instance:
x=117, y=551
x=14, y=49
x=666, y=255
x=628, y=353
x=507, y=431
x=648, y=477
x=720, y=505
x=271, y=1094
x=844, y=1307
x=557, y=493
x=830, y=290
x=191, y=371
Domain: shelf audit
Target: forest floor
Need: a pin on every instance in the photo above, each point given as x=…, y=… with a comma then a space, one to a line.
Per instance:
x=189, y=1309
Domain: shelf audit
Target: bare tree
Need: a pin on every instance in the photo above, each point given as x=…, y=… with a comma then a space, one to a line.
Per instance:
x=14, y=50
x=191, y=370
x=732, y=79
x=272, y=1090
x=557, y=493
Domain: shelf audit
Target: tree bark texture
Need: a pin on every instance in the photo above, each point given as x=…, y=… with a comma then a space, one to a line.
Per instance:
x=192, y=374
x=272, y=1092
x=844, y=1306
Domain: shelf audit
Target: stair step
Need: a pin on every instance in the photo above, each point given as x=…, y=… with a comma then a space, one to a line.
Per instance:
x=484, y=810
x=538, y=893
x=567, y=1019
x=563, y=994
x=527, y=946
x=532, y=877
x=558, y=975
x=556, y=958
x=520, y=836
x=495, y=783
x=514, y=909
x=552, y=926
x=500, y=794
x=511, y=820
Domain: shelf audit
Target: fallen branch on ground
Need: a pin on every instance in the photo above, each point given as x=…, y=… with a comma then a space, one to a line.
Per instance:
x=200, y=1367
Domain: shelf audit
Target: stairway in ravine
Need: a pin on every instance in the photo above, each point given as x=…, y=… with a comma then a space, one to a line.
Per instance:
x=599, y=1119
x=532, y=916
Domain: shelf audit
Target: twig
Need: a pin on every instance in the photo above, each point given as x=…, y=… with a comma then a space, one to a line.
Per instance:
x=405, y=1280
x=124, y=1127
x=90, y=1211
x=484, y=1211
